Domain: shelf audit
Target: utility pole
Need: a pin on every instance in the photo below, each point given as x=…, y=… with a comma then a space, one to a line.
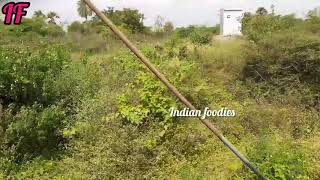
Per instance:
x=172, y=88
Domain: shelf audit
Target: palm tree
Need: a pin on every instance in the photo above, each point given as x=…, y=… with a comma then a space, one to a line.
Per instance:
x=38, y=14
x=83, y=10
x=52, y=15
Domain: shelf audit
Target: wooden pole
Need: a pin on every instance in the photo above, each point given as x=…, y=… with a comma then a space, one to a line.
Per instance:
x=172, y=88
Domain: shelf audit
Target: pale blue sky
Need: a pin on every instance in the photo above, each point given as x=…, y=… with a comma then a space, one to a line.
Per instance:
x=180, y=12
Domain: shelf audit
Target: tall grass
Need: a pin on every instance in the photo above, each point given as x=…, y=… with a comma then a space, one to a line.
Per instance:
x=223, y=59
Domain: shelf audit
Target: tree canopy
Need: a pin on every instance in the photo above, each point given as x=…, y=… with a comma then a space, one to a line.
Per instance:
x=83, y=10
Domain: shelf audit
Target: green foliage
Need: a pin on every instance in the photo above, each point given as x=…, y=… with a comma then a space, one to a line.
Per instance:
x=279, y=159
x=168, y=27
x=79, y=80
x=147, y=97
x=261, y=11
x=37, y=169
x=39, y=92
x=32, y=132
x=83, y=10
x=89, y=43
x=130, y=19
x=198, y=35
x=35, y=25
x=197, y=38
x=53, y=30
x=26, y=73
x=39, y=14
x=284, y=64
x=147, y=100
x=103, y=115
x=312, y=24
x=224, y=60
x=77, y=26
x=185, y=32
x=256, y=27
x=52, y=14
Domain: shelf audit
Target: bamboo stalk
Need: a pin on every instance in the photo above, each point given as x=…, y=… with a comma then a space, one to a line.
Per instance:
x=172, y=88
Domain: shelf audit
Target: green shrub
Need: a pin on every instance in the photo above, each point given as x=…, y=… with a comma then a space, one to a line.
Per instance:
x=26, y=73
x=199, y=35
x=130, y=19
x=312, y=24
x=36, y=169
x=223, y=60
x=33, y=131
x=148, y=100
x=40, y=92
x=53, y=30
x=199, y=38
x=256, y=27
x=36, y=26
x=90, y=43
x=77, y=26
x=78, y=81
x=278, y=158
x=147, y=96
x=285, y=64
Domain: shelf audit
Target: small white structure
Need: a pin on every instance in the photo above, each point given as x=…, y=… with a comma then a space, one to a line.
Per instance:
x=231, y=22
x=317, y=11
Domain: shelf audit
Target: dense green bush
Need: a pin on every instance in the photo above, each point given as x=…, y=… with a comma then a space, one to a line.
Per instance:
x=33, y=131
x=256, y=27
x=279, y=159
x=198, y=38
x=41, y=91
x=197, y=34
x=148, y=101
x=53, y=30
x=311, y=24
x=90, y=43
x=129, y=19
x=36, y=25
x=79, y=80
x=147, y=97
x=77, y=27
x=30, y=125
x=25, y=73
x=283, y=64
x=184, y=32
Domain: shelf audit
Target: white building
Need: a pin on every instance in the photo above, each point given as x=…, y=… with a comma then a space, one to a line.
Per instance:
x=231, y=22
x=317, y=11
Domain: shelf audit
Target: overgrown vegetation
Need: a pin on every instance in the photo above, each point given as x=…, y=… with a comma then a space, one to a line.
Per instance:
x=85, y=108
x=283, y=62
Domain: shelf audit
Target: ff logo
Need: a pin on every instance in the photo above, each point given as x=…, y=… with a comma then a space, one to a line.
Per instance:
x=17, y=9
